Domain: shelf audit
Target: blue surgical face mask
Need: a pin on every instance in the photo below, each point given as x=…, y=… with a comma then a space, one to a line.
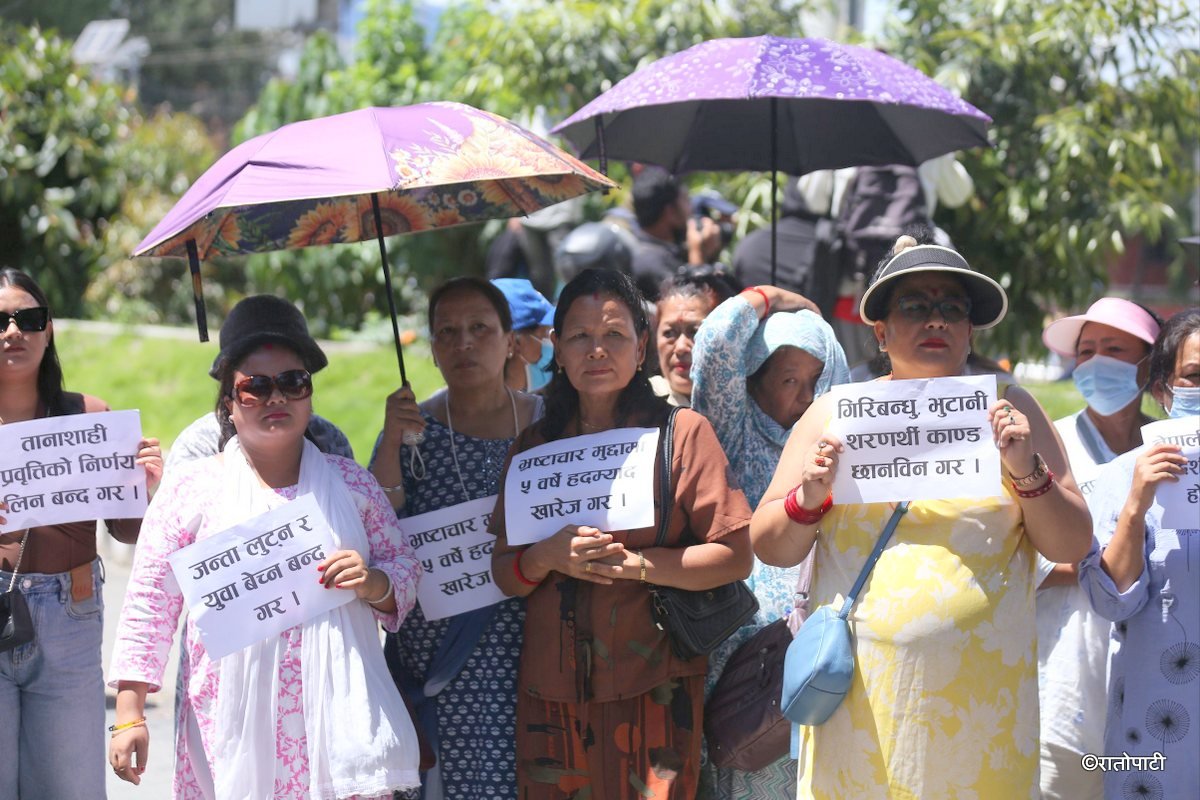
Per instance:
x=1185, y=401
x=538, y=374
x=1107, y=384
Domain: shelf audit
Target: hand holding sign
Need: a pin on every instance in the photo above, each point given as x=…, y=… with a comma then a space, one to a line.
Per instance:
x=1011, y=433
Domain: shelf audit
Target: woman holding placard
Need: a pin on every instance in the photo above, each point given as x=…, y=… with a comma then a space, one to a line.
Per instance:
x=604, y=705
x=1142, y=576
x=310, y=712
x=51, y=688
x=460, y=672
x=1110, y=347
x=944, y=697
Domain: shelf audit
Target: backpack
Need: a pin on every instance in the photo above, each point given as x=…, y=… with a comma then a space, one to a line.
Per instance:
x=879, y=204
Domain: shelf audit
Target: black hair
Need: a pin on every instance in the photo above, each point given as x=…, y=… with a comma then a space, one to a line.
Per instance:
x=694, y=280
x=562, y=398
x=50, y=375
x=654, y=189
x=473, y=284
x=1165, y=352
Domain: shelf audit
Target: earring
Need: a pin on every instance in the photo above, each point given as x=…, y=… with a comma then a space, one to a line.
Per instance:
x=883, y=347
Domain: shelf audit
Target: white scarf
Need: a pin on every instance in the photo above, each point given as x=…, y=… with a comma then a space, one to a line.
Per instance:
x=359, y=735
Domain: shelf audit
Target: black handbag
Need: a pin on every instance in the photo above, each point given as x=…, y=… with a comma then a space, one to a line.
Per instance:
x=16, y=623
x=696, y=621
x=743, y=725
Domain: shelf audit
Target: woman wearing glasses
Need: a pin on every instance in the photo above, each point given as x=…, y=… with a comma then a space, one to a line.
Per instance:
x=944, y=699
x=52, y=689
x=310, y=712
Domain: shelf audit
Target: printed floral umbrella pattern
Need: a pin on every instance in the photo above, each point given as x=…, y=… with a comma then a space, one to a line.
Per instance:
x=361, y=175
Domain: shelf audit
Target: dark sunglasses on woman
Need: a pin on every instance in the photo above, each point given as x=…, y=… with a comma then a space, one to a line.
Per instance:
x=254, y=390
x=29, y=320
x=920, y=309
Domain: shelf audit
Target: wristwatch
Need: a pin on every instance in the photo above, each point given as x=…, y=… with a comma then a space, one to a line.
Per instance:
x=1039, y=471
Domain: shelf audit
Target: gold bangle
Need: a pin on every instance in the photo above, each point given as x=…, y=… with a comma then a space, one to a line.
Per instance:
x=642, y=565
x=126, y=725
x=392, y=489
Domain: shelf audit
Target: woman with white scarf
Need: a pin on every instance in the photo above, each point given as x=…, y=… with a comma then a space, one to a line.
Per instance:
x=261, y=722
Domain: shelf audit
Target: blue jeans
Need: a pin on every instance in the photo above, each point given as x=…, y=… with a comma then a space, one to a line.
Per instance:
x=52, y=739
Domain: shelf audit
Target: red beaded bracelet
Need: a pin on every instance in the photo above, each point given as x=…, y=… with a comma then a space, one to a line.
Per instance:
x=521, y=575
x=766, y=300
x=1025, y=494
x=804, y=516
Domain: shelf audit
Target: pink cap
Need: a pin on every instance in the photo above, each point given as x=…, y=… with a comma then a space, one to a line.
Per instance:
x=1062, y=335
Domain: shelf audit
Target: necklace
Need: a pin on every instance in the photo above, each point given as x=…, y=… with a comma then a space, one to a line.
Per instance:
x=454, y=450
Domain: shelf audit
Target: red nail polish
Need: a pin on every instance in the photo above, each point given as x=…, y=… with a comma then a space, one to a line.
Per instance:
x=320, y=569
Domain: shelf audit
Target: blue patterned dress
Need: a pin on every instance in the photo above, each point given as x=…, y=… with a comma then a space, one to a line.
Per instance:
x=753, y=442
x=476, y=711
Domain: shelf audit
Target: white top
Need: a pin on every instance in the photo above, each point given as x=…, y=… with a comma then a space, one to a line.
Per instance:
x=1073, y=640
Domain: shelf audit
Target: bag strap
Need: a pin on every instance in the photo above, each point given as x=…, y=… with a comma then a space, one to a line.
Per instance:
x=20, y=555
x=901, y=510
x=667, y=445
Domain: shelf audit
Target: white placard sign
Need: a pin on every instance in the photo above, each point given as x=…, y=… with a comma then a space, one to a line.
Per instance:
x=71, y=468
x=915, y=440
x=1180, y=500
x=258, y=578
x=603, y=479
x=455, y=550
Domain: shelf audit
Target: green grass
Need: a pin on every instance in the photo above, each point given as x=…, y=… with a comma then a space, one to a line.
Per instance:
x=168, y=381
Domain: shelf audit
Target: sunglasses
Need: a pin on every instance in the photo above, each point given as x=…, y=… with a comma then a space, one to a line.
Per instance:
x=254, y=390
x=920, y=309
x=29, y=320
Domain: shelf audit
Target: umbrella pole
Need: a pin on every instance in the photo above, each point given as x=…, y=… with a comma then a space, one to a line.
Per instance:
x=387, y=280
x=774, y=162
x=197, y=290
x=601, y=150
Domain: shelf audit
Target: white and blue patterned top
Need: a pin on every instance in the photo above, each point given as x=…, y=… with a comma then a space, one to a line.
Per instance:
x=753, y=441
x=1154, y=682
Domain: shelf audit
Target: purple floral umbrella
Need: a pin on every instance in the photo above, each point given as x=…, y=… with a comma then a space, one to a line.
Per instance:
x=768, y=103
x=361, y=175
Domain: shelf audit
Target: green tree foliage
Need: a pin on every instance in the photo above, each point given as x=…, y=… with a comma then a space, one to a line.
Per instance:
x=60, y=174
x=1096, y=123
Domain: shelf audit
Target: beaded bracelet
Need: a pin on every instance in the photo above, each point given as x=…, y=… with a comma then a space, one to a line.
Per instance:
x=521, y=575
x=766, y=300
x=1026, y=494
x=805, y=516
x=124, y=726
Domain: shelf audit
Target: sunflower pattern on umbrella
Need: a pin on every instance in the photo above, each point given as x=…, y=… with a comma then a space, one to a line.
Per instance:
x=432, y=166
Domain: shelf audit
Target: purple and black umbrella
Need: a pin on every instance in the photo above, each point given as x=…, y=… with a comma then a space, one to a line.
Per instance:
x=769, y=103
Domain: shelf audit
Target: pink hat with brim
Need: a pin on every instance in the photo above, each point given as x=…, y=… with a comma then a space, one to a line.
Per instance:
x=1062, y=335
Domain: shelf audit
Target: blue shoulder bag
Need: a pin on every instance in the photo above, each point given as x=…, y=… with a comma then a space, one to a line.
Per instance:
x=819, y=665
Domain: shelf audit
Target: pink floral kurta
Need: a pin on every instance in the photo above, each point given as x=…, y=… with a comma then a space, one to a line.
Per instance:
x=153, y=603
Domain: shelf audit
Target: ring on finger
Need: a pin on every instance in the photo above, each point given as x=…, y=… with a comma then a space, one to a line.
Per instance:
x=587, y=567
x=820, y=461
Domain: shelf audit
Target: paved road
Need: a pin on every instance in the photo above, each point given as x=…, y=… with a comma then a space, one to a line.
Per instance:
x=156, y=782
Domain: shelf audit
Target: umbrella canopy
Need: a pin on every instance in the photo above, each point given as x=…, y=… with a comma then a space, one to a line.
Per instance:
x=769, y=103
x=432, y=165
x=365, y=174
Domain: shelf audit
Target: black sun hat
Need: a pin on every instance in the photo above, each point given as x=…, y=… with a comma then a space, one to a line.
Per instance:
x=263, y=318
x=989, y=303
